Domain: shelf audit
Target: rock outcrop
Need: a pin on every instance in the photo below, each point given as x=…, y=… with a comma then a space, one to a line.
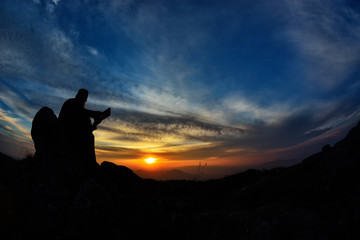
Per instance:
x=122, y=176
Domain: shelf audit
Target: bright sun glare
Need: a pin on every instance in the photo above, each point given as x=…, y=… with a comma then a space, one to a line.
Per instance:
x=150, y=160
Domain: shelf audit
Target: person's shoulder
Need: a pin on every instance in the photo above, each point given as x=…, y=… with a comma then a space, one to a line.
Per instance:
x=69, y=104
x=70, y=101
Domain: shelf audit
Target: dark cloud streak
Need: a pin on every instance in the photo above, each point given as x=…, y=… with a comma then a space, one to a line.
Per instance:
x=155, y=126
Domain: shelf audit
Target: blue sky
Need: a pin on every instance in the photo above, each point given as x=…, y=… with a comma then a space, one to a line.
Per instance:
x=226, y=82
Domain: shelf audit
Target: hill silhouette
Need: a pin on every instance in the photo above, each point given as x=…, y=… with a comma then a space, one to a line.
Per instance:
x=173, y=174
x=316, y=199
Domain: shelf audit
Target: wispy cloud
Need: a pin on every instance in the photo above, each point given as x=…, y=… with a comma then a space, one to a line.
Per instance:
x=327, y=35
x=15, y=126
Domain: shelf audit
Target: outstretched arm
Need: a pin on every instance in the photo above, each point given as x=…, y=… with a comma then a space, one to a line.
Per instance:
x=101, y=117
x=92, y=114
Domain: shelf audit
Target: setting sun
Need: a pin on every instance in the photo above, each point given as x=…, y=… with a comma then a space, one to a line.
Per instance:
x=150, y=160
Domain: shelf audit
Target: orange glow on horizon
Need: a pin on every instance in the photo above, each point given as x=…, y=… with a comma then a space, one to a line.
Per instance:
x=147, y=160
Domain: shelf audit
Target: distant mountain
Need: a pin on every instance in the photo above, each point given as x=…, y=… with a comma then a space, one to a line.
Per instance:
x=173, y=174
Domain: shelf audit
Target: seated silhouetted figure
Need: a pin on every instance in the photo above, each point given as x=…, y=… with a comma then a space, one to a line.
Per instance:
x=44, y=132
x=77, y=132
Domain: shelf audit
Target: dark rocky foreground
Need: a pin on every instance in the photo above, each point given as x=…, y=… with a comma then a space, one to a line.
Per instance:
x=317, y=199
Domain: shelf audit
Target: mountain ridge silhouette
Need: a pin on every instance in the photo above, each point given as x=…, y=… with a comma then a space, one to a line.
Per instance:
x=315, y=199
x=171, y=174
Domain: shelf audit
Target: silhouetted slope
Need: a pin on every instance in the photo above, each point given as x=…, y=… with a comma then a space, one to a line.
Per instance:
x=316, y=199
x=173, y=174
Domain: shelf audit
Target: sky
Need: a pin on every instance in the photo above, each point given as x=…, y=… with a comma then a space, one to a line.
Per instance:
x=226, y=83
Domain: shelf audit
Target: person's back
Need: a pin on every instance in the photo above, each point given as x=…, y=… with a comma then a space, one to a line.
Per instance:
x=44, y=132
x=73, y=117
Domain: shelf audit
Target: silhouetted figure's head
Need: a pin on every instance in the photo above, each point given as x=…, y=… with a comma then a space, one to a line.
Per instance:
x=82, y=96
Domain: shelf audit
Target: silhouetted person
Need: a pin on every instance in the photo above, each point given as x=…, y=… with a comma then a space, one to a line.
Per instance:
x=44, y=132
x=77, y=131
